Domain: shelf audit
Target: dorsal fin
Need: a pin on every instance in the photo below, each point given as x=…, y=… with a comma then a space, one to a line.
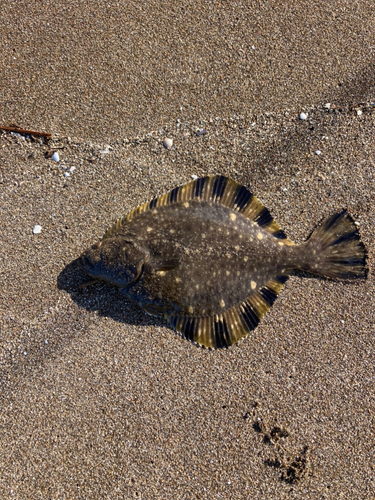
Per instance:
x=218, y=189
x=226, y=329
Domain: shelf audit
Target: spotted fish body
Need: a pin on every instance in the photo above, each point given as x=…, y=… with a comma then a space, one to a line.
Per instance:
x=208, y=257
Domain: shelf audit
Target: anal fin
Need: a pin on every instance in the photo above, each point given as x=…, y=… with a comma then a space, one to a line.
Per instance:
x=228, y=328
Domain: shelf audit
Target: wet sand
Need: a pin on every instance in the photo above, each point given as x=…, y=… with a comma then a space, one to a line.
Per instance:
x=99, y=400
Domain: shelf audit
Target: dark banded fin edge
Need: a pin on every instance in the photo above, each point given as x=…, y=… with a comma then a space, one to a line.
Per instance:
x=217, y=189
x=223, y=330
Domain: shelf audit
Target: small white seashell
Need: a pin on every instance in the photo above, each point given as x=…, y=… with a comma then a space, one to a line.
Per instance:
x=328, y=105
x=303, y=116
x=359, y=112
x=317, y=152
x=37, y=229
x=55, y=157
x=66, y=174
x=72, y=169
x=168, y=143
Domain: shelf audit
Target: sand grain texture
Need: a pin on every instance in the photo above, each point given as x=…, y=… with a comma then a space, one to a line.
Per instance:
x=99, y=400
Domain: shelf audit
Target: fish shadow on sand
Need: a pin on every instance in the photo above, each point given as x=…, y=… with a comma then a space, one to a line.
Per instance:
x=107, y=301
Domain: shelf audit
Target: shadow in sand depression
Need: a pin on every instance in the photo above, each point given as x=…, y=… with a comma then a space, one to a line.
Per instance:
x=107, y=301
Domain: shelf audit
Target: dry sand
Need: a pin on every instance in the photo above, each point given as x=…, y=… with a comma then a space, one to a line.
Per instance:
x=99, y=400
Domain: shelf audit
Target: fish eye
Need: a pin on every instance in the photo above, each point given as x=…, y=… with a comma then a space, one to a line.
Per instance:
x=128, y=250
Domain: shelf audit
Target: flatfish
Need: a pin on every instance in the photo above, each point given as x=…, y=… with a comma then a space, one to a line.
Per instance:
x=209, y=258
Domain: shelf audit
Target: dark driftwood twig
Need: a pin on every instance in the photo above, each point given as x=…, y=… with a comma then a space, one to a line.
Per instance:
x=27, y=132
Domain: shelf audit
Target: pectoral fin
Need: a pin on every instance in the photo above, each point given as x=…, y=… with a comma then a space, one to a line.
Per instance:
x=164, y=265
x=155, y=310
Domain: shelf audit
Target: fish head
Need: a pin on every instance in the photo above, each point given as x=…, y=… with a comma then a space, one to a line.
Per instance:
x=118, y=261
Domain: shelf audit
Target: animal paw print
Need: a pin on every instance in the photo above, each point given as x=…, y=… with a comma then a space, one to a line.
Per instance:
x=292, y=466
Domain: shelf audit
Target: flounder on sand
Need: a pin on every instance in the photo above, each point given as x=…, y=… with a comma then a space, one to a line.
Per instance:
x=209, y=258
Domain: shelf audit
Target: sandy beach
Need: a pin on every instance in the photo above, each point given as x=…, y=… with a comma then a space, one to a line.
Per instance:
x=99, y=400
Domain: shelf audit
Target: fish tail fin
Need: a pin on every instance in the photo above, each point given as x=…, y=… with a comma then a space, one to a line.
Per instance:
x=335, y=249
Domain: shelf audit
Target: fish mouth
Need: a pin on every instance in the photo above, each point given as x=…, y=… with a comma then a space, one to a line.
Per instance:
x=89, y=258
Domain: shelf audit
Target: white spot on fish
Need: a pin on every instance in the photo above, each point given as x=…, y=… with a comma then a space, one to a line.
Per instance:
x=203, y=235
x=222, y=303
x=149, y=229
x=281, y=243
x=161, y=273
x=260, y=236
x=253, y=285
x=186, y=204
x=191, y=310
x=178, y=280
x=197, y=287
x=246, y=259
x=228, y=273
x=233, y=217
x=237, y=248
x=172, y=231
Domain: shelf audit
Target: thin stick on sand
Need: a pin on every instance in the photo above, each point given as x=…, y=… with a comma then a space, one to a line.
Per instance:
x=27, y=132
